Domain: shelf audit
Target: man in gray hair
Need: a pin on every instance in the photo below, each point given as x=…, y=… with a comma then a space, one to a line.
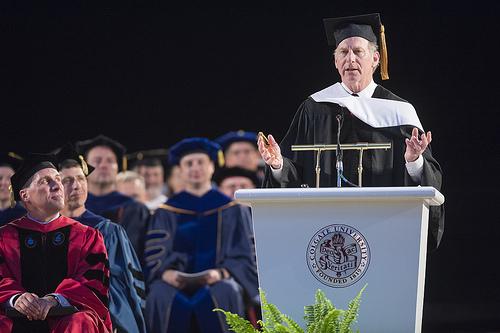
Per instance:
x=351, y=111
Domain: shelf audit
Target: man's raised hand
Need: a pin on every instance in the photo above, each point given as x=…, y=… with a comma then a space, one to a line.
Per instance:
x=415, y=146
x=271, y=153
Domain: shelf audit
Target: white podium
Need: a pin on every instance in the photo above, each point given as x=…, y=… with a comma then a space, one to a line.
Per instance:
x=338, y=240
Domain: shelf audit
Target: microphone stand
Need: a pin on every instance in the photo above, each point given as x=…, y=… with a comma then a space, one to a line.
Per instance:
x=360, y=146
x=339, y=165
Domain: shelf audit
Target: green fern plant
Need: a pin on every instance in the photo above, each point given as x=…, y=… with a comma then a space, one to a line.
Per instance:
x=238, y=324
x=320, y=317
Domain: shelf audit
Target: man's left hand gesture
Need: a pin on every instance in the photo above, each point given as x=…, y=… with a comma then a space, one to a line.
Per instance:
x=415, y=146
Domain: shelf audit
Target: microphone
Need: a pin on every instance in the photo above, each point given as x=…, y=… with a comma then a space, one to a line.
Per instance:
x=339, y=165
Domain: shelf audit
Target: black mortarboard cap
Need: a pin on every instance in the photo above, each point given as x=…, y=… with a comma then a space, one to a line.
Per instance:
x=148, y=157
x=83, y=148
x=196, y=145
x=224, y=173
x=10, y=159
x=236, y=136
x=366, y=26
x=31, y=165
x=68, y=152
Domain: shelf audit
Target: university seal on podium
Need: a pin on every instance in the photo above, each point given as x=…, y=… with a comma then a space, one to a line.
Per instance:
x=338, y=255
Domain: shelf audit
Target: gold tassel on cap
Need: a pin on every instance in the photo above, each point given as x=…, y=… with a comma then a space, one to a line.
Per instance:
x=14, y=155
x=12, y=199
x=220, y=157
x=124, y=163
x=384, y=71
x=84, y=165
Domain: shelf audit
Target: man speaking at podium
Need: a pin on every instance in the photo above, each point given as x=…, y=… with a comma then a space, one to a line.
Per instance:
x=356, y=110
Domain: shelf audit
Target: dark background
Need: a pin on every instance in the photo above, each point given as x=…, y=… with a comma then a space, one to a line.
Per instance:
x=150, y=75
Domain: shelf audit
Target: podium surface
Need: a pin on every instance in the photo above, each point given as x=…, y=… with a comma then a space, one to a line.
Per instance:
x=338, y=240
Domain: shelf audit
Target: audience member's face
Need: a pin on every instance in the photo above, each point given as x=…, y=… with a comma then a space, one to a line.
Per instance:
x=5, y=173
x=75, y=187
x=133, y=188
x=355, y=62
x=45, y=193
x=153, y=176
x=243, y=155
x=196, y=169
x=175, y=183
x=231, y=184
x=103, y=159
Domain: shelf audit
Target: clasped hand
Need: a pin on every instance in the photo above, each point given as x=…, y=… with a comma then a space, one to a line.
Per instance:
x=34, y=307
x=173, y=278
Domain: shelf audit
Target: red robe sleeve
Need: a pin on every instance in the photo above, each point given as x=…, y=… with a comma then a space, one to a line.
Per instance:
x=10, y=274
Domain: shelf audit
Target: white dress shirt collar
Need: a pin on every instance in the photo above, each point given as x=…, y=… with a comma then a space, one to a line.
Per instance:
x=367, y=92
x=42, y=222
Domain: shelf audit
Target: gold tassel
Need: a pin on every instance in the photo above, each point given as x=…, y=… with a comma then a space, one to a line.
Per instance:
x=220, y=156
x=124, y=163
x=84, y=165
x=12, y=200
x=14, y=155
x=384, y=71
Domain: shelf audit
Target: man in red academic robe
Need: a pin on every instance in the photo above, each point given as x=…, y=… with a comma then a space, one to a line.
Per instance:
x=49, y=261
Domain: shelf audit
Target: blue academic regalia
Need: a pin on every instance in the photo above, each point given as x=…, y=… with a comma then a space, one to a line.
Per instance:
x=192, y=234
x=126, y=290
x=133, y=216
x=11, y=213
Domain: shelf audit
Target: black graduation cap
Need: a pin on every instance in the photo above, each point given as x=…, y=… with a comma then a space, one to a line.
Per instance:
x=11, y=160
x=236, y=136
x=196, y=145
x=33, y=163
x=68, y=152
x=83, y=148
x=224, y=173
x=366, y=26
x=150, y=157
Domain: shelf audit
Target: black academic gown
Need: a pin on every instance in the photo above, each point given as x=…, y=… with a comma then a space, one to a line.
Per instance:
x=192, y=234
x=124, y=210
x=316, y=123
